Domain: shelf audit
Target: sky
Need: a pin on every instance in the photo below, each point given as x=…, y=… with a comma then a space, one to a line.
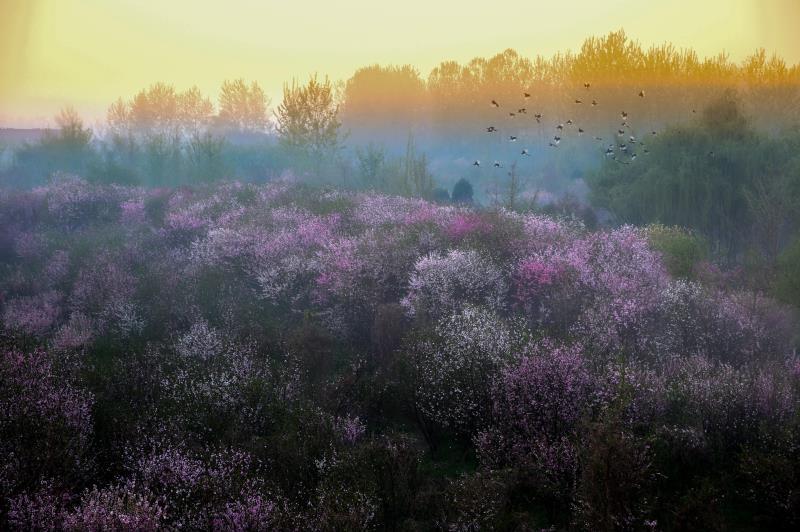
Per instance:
x=88, y=53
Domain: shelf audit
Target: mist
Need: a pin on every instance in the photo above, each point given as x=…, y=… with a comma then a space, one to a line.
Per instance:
x=513, y=293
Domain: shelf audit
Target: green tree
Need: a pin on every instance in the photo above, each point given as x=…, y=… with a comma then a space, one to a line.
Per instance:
x=462, y=191
x=371, y=165
x=243, y=107
x=308, y=118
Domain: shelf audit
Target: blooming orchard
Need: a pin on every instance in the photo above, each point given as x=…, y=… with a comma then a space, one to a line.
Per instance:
x=259, y=357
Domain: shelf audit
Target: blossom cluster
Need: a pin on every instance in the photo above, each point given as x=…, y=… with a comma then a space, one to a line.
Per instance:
x=258, y=357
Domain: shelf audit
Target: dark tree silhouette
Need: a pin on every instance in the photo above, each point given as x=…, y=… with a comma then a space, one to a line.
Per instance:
x=462, y=191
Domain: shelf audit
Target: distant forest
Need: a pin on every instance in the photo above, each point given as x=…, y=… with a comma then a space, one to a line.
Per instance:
x=614, y=133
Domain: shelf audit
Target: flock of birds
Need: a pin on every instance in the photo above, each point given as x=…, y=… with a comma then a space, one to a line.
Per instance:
x=623, y=150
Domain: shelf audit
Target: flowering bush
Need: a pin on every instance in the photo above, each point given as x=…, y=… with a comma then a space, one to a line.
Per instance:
x=442, y=284
x=261, y=357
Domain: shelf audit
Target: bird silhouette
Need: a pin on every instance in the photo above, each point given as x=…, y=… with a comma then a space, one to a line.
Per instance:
x=491, y=129
x=557, y=140
x=653, y=133
x=476, y=163
x=526, y=94
x=633, y=157
x=560, y=127
x=623, y=147
x=598, y=138
x=569, y=122
x=632, y=139
x=624, y=115
x=512, y=138
x=578, y=101
x=494, y=102
x=641, y=94
x=525, y=152
x=594, y=103
x=620, y=132
x=586, y=85
x=609, y=151
x=497, y=164
x=522, y=111
x=580, y=131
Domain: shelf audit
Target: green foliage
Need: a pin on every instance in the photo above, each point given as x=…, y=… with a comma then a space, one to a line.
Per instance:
x=787, y=282
x=680, y=249
x=206, y=157
x=243, y=107
x=462, y=191
x=713, y=177
x=307, y=118
x=371, y=164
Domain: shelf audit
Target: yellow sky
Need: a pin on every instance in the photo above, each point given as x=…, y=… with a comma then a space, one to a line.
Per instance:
x=89, y=52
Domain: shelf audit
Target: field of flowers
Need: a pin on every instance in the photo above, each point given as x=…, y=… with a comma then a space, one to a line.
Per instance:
x=261, y=357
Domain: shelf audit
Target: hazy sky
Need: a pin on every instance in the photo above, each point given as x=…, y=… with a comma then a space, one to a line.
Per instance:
x=89, y=52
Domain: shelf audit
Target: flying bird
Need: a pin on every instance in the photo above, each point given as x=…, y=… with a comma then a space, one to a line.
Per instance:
x=491, y=129
x=560, y=127
x=497, y=164
x=578, y=101
x=598, y=138
x=476, y=163
x=586, y=85
x=632, y=139
x=526, y=94
x=494, y=102
x=594, y=102
x=569, y=122
x=623, y=147
x=624, y=115
x=620, y=132
x=557, y=140
x=653, y=133
x=641, y=94
x=580, y=131
x=522, y=111
x=512, y=115
x=512, y=138
x=633, y=157
x=525, y=152
x=609, y=151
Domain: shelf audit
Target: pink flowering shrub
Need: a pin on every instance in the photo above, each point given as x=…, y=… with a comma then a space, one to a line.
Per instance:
x=279, y=357
x=34, y=315
x=45, y=422
x=537, y=404
x=116, y=508
x=466, y=225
